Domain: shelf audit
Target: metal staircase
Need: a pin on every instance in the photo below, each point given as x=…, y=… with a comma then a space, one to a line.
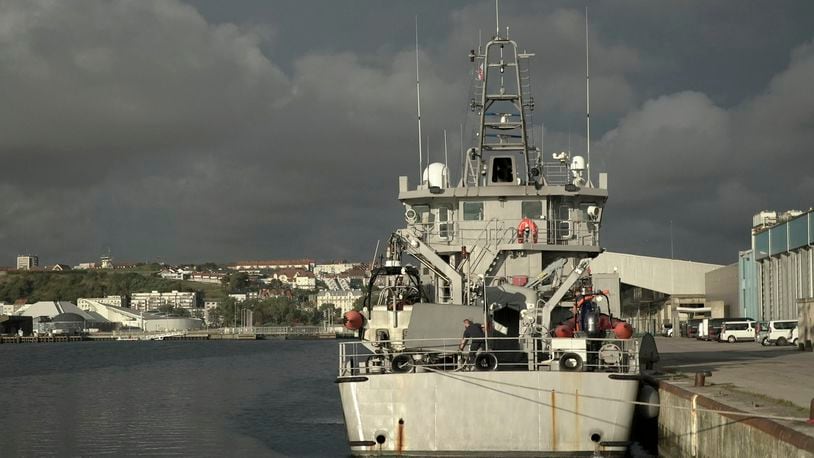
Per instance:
x=450, y=278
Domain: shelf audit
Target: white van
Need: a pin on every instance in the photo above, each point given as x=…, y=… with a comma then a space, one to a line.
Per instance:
x=733, y=331
x=780, y=332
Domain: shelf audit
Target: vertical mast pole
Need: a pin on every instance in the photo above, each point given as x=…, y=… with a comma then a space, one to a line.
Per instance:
x=587, y=100
x=497, y=18
x=446, y=160
x=463, y=181
x=418, y=102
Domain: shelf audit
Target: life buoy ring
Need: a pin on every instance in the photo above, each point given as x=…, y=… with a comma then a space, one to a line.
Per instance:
x=526, y=230
x=410, y=216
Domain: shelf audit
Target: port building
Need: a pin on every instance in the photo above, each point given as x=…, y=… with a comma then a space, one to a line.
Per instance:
x=650, y=292
x=27, y=262
x=778, y=271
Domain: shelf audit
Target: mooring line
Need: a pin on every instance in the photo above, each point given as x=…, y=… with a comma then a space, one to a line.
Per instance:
x=641, y=403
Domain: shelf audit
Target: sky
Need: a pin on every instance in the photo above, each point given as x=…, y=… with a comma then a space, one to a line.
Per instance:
x=204, y=130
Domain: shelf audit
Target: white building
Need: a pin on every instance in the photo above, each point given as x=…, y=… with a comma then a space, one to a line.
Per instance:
x=207, y=277
x=294, y=278
x=116, y=301
x=138, y=319
x=106, y=262
x=342, y=299
x=332, y=268
x=9, y=309
x=175, y=274
x=154, y=300
x=241, y=297
x=27, y=261
x=256, y=266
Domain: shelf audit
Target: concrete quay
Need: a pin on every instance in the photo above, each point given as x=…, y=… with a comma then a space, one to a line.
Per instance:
x=762, y=382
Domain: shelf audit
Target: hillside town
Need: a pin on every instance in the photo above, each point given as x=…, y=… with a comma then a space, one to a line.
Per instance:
x=175, y=297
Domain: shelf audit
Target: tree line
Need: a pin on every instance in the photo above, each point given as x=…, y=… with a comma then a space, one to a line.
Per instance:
x=71, y=285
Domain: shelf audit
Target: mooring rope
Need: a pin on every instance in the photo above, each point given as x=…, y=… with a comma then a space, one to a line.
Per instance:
x=624, y=401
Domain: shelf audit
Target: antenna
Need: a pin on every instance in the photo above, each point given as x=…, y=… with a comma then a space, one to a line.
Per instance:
x=428, y=152
x=446, y=157
x=418, y=101
x=497, y=18
x=462, y=155
x=587, y=101
x=542, y=139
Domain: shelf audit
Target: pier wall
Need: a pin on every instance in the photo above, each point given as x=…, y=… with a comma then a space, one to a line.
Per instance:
x=684, y=432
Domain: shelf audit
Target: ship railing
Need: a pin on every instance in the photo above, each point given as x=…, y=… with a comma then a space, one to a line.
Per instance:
x=496, y=232
x=577, y=354
x=556, y=174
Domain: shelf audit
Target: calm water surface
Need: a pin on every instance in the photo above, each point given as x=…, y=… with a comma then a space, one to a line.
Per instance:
x=269, y=398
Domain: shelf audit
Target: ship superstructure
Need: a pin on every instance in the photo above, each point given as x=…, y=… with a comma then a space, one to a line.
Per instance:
x=509, y=247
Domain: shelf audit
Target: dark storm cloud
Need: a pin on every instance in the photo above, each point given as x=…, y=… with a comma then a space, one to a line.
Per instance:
x=223, y=130
x=682, y=158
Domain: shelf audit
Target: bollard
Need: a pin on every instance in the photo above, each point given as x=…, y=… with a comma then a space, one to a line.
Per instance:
x=811, y=413
x=700, y=378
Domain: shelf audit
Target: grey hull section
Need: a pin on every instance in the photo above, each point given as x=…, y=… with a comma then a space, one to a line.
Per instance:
x=487, y=412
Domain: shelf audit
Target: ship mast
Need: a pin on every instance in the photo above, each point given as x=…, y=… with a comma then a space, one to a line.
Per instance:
x=503, y=106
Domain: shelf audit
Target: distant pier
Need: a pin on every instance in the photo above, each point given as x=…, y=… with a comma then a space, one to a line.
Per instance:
x=249, y=333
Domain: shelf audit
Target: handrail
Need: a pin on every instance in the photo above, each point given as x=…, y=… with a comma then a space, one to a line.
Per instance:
x=578, y=354
x=550, y=232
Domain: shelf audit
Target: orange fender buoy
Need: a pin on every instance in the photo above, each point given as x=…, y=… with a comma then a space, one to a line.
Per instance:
x=353, y=320
x=564, y=330
x=623, y=330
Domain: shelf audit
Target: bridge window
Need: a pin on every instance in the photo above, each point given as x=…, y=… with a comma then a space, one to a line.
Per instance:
x=423, y=214
x=532, y=209
x=473, y=211
x=502, y=170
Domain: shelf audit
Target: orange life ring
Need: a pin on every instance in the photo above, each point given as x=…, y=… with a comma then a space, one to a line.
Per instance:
x=526, y=225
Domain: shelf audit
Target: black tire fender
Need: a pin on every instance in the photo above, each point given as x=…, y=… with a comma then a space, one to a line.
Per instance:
x=402, y=363
x=485, y=362
x=571, y=362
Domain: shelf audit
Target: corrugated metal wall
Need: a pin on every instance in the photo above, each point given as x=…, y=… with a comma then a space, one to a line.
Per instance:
x=784, y=278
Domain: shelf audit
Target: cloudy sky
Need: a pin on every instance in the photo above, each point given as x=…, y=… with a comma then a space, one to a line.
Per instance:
x=208, y=130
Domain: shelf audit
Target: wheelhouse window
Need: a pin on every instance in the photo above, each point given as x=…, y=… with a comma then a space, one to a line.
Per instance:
x=423, y=214
x=532, y=209
x=502, y=170
x=473, y=211
x=445, y=225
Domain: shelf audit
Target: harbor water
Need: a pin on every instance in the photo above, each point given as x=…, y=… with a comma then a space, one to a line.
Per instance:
x=182, y=398
x=200, y=398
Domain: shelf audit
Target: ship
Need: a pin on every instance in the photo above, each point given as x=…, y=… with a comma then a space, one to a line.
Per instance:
x=507, y=248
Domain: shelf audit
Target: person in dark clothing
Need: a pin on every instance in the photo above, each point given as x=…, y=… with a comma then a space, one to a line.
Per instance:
x=474, y=333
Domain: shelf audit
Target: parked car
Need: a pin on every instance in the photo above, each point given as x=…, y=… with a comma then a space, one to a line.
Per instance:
x=692, y=328
x=795, y=335
x=714, y=326
x=779, y=332
x=667, y=330
x=733, y=331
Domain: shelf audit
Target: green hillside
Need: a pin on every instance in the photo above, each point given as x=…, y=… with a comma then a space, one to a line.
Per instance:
x=70, y=285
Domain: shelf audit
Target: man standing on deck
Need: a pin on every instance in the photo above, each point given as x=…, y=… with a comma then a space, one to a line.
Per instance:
x=473, y=332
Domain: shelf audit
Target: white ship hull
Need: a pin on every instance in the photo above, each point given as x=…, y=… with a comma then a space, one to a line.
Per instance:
x=493, y=413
